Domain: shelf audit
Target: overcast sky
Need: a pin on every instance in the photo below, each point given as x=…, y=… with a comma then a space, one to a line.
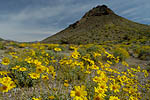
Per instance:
x=31, y=20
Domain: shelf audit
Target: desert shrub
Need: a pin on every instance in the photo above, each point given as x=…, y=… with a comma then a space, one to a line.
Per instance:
x=64, y=41
x=14, y=44
x=121, y=52
x=89, y=50
x=2, y=47
x=144, y=52
x=28, y=71
x=52, y=46
x=22, y=45
x=84, y=50
x=127, y=46
x=92, y=48
x=63, y=47
x=21, y=77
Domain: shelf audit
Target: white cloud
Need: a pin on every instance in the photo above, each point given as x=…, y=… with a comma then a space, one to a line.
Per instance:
x=15, y=26
x=144, y=19
x=129, y=11
x=38, y=13
x=13, y=31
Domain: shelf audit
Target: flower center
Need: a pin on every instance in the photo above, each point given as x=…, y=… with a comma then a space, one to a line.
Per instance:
x=100, y=91
x=34, y=76
x=4, y=87
x=78, y=93
x=114, y=87
x=102, y=87
x=5, y=61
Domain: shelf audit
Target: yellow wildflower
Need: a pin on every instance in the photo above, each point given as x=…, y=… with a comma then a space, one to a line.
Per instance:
x=4, y=88
x=66, y=81
x=103, y=86
x=79, y=92
x=57, y=49
x=98, y=97
x=22, y=69
x=75, y=54
x=5, y=61
x=45, y=77
x=51, y=97
x=114, y=87
x=6, y=84
x=50, y=69
x=94, y=67
x=113, y=98
x=145, y=73
x=16, y=67
x=40, y=69
x=34, y=75
x=100, y=91
x=66, y=84
x=133, y=98
x=36, y=98
x=125, y=64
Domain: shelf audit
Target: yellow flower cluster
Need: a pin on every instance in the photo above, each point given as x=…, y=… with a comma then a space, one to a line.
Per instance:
x=84, y=73
x=6, y=84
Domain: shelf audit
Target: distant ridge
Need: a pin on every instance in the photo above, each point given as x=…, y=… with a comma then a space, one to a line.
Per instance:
x=1, y=39
x=98, y=25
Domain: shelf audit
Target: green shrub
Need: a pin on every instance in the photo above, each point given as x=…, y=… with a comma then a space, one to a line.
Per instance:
x=21, y=78
x=92, y=48
x=14, y=44
x=2, y=47
x=144, y=52
x=121, y=52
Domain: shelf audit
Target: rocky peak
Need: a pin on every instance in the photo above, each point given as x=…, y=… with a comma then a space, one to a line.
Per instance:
x=99, y=11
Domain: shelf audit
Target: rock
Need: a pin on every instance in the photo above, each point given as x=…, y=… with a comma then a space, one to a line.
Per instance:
x=99, y=11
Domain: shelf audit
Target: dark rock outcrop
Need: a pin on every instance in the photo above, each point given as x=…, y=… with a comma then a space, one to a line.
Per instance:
x=99, y=11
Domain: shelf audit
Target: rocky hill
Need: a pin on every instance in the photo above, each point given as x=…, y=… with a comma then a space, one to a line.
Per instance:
x=98, y=25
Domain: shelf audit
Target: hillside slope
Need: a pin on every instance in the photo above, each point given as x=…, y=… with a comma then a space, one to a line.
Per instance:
x=98, y=25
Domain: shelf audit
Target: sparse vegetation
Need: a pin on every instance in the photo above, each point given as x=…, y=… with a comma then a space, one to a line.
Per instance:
x=144, y=52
